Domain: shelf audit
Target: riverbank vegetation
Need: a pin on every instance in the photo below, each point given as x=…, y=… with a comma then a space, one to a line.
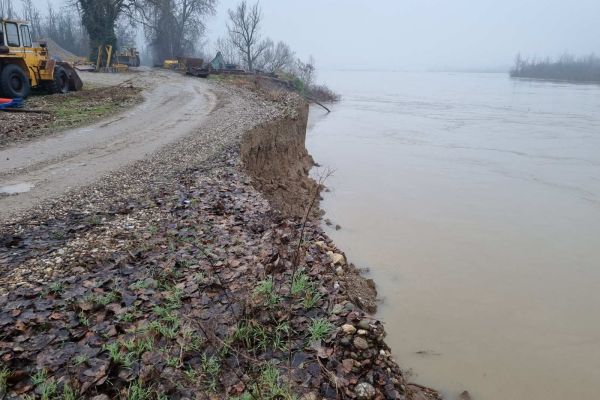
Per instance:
x=244, y=45
x=565, y=68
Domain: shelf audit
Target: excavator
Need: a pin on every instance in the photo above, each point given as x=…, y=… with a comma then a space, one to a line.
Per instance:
x=25, y=64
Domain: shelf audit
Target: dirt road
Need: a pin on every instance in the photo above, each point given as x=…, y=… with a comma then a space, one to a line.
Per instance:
x=174, y=106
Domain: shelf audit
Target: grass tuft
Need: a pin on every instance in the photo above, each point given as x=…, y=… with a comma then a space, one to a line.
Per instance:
x=319, y=329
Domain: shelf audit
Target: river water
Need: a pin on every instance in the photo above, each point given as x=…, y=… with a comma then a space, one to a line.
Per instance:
x=474, y=200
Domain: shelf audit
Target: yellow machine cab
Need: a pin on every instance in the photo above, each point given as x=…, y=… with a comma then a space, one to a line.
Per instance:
x=25, y=64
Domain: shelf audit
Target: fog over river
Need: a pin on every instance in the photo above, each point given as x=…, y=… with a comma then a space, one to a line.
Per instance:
x=474, y=200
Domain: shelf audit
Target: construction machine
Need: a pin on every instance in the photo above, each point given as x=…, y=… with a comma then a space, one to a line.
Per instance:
x=107, y=61
x=128, y=56
x=25, y=64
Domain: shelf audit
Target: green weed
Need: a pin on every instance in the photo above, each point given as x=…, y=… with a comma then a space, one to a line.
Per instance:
x=319, y=329
x=69, y=393
x=117, y=356
x=210, y=370
x=139, y=285
x=4, y=374
x=300, y=284
x=83, y=319
x=39, y=377
x=266, y=289
x=48, y=389
x=56, y=288
x=168, y=331
x=137, y=392
x=80, y=359
x=139, y=346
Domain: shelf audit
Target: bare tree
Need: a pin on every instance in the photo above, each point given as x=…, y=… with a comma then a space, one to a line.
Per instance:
x=65, y=27
x=32, y=14
x=305, y=71
x=174, y=27
x=6, y=9
x=244, y=32
x=275, y=58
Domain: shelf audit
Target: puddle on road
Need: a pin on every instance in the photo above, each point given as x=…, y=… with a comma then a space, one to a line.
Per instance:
x=17, y=188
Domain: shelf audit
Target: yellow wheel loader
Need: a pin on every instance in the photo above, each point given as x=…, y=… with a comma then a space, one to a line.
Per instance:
x=25, y=65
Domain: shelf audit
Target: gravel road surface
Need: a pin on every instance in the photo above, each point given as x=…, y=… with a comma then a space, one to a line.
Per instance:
x=174, y=106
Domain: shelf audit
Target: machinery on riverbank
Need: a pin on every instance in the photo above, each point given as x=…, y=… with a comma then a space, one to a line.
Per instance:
x=129, y=56
x=25, y=64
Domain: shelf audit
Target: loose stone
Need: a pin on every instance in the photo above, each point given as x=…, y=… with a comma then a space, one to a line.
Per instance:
x=361, y=343
x=364, y=391
x=348, y=329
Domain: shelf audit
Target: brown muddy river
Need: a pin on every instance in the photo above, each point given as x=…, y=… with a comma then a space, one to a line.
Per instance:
x=474, y=200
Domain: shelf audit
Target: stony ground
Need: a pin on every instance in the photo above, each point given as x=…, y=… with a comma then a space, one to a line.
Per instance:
x=175, y=278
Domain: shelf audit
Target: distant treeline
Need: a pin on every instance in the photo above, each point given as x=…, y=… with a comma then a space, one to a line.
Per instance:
x=565, y=68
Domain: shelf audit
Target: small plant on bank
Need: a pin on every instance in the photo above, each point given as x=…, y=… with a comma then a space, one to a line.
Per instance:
x=210, y=370
x=96, y=220
x=49, y=389
x=56, y=288
x=300, y=284
x=282, y=332
x=80, y=360
x=83, y=319
x=319, y=329
x=117, y=356
x=168, y=331
x=173, y=362
x=139, y=346
x=312, y=298
x=69, y=393
x=39, y=377
x=269, y=386
x=199, y=278
x=140, y=285
x=266, y=289
x=4, y=374
x=137, y=391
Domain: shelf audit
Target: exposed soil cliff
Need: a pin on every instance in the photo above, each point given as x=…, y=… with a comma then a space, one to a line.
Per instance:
x=274, y=155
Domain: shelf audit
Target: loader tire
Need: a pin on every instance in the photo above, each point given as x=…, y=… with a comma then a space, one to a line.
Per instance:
x=60, y=84
x=14, y=83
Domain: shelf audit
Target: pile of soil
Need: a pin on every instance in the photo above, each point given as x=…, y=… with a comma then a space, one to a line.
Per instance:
x=58, y=53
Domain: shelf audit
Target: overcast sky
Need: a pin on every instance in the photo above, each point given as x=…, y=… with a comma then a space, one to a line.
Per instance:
x=425, y=34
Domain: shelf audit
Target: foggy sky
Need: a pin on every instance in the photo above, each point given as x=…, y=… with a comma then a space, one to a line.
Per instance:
x=425, y=34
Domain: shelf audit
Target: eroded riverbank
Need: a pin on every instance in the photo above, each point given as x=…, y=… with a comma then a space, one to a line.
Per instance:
x=175, y=277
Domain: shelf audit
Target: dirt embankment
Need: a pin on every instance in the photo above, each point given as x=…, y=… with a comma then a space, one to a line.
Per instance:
x=176, y=278
x=274, y=154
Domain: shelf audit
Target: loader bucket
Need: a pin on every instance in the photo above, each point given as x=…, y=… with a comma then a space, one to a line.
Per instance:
x=75, y=82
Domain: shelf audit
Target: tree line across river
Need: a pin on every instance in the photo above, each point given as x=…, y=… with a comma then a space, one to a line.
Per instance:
x=565, y=68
